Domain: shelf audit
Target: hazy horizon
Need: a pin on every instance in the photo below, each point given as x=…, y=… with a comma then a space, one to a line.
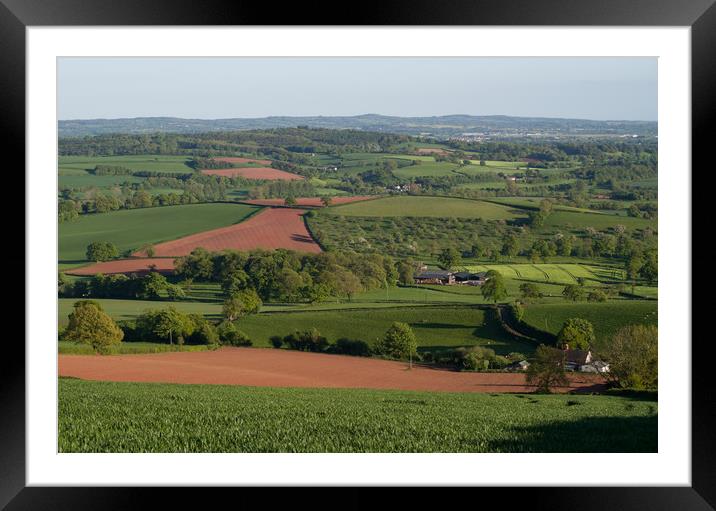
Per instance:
x=585, y=88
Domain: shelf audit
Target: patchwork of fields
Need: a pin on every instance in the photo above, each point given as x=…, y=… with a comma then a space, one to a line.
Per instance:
x=130, y=229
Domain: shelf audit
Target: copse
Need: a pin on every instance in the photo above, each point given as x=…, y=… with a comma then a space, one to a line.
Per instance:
x=101, y=251
x=546, y=369
x=89, y=324
x=287, y=276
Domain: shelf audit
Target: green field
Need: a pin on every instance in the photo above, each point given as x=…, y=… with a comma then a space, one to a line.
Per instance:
x=577, y=220
x=151, y=417
x=130, y=309
x=606, y=317
x=418, y=206
x=427, y=169
x=129, y=229
x=154, y=163
x=561, y=274
x=434, y=327
x=85, y=180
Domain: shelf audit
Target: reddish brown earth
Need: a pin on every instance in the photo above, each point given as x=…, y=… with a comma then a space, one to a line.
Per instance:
x=270, y=229
x=236, y=159
x=311, y=201
x=138, y=265
x=254, y=173
x=284, y=368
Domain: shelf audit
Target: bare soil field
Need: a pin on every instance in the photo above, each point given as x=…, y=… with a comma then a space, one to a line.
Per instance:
x=310, y=201
x=284, y=368
x=254, y=173
x=270, y=229
x=137, y=265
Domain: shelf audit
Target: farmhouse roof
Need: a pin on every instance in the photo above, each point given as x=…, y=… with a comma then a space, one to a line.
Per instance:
x=435, y=274
x=576, y=356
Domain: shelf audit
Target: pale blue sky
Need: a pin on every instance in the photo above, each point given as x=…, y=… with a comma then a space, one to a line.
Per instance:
x=214, y=88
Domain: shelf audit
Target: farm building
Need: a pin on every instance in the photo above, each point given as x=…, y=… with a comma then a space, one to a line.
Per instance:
x=449, y=278
x=582, y=360
x=435, y=277
x=522, y=365
x=471, y=279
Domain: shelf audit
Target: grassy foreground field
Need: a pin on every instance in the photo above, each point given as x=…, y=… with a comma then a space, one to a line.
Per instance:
x=132, y=228
x=149, y=417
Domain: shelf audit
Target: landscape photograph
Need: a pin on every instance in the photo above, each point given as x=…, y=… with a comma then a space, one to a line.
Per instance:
x=357, y=255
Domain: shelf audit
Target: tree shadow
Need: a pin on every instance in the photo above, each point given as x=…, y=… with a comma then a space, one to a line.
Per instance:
x=592, y=434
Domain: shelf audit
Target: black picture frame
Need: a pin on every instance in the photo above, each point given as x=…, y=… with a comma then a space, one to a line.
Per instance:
x=700, y=15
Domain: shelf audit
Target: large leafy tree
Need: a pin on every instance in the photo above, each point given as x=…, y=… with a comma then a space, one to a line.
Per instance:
x=546, y=370
x=89, y=324
x=494, y=288
x=399, y=342
x=101, y=251
x=241, y=303
x=576, y=333
x=448, y=258
x=632, y=354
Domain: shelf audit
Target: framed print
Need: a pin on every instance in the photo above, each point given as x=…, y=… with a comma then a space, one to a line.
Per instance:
x=420, y=247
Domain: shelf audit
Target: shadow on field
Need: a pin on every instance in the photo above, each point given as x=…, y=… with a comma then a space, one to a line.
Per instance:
x=595, y=434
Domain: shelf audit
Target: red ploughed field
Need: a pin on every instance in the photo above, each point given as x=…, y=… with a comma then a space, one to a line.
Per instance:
x=269, y=229
x=139, y=266
x=267, y=367
x=310, y=201
x=254, y=173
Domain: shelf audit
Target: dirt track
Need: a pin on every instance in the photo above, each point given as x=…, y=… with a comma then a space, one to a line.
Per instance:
x=269, y=229
x=283, y=368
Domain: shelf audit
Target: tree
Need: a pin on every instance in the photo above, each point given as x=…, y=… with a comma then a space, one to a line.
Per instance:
x=398, y=342
x=148, y=249
x=89, y=324
x=650, y=269
x=290, y=201
x=152, y=285
x=326, y=201
x=529, y=291
x=573, y=292
x=239, y=304
x=633, y=357
x=547, y=369
x=406, y=273
x=633, y=265
x=576, y=333
x=170, y=324
x=101, y=251
x=510, y=246
x=448, y=258
x=494, y=287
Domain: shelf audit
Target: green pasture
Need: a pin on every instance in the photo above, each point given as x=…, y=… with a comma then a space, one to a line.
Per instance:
x=127, y=348
x=154, y=417
x=607, y=317
x=129, y=309
x=155, y=163
x=434, y=327
x=434, y=169
x=423, y=206
x=578, y=220
x=565, y=273
x=129, y=229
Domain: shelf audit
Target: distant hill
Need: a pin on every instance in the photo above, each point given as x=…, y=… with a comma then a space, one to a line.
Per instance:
x=445, y=126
